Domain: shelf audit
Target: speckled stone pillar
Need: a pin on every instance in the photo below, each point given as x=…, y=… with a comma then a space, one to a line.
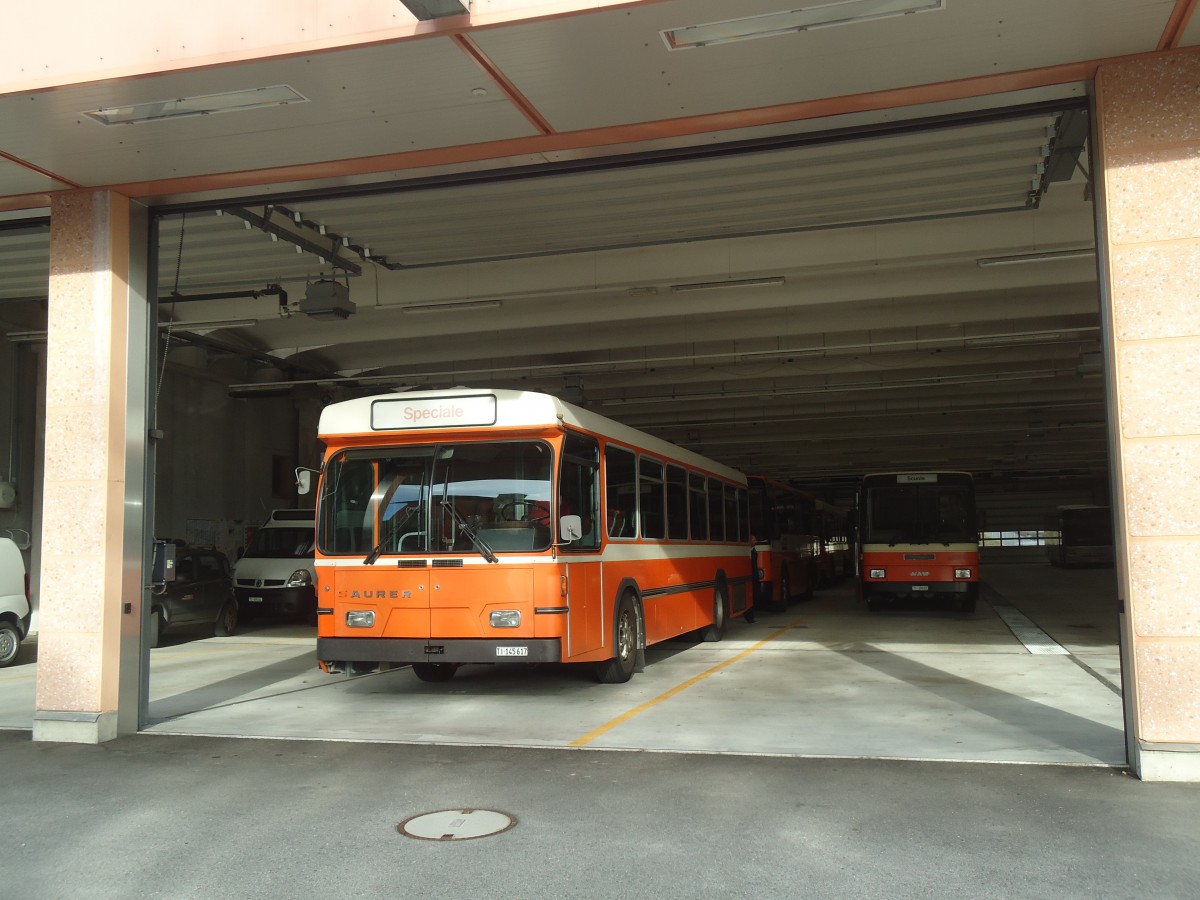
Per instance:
x=79, y=638
x=1149, y=158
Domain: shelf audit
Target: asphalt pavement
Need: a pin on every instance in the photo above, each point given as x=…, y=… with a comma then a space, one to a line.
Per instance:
x=189, y=817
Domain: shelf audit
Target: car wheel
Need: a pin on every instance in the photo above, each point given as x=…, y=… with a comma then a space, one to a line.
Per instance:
x=626, y=627
x=10, y=643
x=434, y=671
x=156, y=628
x=227, y=619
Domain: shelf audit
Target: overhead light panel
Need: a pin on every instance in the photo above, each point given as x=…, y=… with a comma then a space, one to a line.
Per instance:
x=807, y=18
x=773, y=281
x=453, y=306
x=437, y=9
x=1045, y=256
x=202, y=105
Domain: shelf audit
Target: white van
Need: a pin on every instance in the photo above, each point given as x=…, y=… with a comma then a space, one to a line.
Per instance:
x=274, y=577
x=14, y=601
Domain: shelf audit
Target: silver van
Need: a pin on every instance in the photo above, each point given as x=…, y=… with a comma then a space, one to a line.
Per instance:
x=15, y=613
x=274, y=577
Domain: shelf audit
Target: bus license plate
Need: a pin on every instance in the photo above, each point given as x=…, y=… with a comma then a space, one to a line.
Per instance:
x=512, y=651
x=255, y=599
x=920, y=587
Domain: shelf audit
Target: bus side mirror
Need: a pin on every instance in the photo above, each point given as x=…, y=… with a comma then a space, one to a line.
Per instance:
x=303, y=481
x=570, y=528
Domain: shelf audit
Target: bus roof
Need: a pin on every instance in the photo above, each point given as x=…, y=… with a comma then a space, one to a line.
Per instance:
x=407, y=412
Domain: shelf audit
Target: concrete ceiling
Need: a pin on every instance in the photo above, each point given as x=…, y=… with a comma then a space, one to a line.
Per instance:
x=570, y=167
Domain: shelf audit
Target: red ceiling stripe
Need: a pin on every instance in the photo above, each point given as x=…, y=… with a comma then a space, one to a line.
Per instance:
x=528, y=110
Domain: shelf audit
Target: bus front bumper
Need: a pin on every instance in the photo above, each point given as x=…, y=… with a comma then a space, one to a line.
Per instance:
x=434, y=650
x=921, y=589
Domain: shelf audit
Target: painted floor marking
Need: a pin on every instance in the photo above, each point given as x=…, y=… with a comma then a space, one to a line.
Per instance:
x=683, y=686
x=1024, y=630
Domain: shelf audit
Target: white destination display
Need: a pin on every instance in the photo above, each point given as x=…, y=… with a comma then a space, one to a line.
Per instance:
x=916, y=478
x=433, y=412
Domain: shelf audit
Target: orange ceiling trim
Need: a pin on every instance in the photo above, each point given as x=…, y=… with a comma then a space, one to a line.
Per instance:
x=980, y=86
x=519, y=100
x=34, y=168
x=18, y=202
x=1177, y=24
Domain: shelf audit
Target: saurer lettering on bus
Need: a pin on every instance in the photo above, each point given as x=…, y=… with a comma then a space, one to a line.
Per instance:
x=374, y=595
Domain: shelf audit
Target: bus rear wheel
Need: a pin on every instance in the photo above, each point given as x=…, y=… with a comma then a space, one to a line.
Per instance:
x=716, y=630
x=626, y=627
x=435, y=672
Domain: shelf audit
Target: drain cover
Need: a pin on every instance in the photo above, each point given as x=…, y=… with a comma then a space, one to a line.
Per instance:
x=456, y=824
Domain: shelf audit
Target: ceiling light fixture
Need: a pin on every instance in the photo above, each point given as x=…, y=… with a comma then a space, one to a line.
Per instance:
x=773, y=281
x=825, y=15
x=1044, y=256
x=452, y=306
x=211, y=325
x=437, y=9
x=202, y=105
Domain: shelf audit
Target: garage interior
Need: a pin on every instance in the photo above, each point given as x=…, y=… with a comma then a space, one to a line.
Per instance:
x=813, y=300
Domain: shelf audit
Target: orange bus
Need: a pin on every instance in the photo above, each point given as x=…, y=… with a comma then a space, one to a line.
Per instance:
x=918, y=538
x=787, y=544
x=484, y=526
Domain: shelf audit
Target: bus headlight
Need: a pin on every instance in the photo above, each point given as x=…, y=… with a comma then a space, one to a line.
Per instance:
x=962, y=573
x=360, y=618
x=505, y=618
x=879, y=573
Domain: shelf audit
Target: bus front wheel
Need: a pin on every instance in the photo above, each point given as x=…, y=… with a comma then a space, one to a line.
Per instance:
x=626, y=625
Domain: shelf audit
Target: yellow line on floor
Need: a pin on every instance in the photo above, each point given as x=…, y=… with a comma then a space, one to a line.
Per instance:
x=683, y=686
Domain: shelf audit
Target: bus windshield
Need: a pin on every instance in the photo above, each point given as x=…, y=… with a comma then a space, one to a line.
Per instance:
x=920, y=513
x=394, y=500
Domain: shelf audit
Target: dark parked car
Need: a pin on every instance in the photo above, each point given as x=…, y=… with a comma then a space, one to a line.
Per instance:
x=200, y=597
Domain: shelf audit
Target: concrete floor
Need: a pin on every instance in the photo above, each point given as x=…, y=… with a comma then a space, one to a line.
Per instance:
x=824, y=679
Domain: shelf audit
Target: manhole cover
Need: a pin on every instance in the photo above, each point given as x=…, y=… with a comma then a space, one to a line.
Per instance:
x=456, y=824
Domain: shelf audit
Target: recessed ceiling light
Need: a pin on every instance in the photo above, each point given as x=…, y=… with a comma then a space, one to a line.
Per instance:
x=202, y=105
x=825, y=15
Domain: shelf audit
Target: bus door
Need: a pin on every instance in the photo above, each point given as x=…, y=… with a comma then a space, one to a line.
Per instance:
x=582, y=588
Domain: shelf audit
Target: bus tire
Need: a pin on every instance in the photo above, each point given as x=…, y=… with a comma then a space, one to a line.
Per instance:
x=626, y=628
x=874, y=604
x=967, y=603
x=434, y=672
x=714, y=632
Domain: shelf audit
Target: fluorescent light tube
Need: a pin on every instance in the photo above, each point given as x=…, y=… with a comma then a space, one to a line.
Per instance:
x=452, y=306
x=825, y=15
x=202, y=105
x=773, y=281
x=1044, y=256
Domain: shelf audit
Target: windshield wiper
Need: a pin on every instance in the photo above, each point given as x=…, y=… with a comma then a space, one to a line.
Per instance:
x=392, y=526
x=465, y=527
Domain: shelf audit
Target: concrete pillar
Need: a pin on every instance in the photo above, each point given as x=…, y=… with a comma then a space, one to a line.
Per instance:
x=89, y=659
x=1148, y=127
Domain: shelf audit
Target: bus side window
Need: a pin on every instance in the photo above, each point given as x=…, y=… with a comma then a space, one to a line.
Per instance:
x=621, y=490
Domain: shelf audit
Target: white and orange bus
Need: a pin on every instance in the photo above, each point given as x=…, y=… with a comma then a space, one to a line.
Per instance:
x=918, y=538
x=485, y=526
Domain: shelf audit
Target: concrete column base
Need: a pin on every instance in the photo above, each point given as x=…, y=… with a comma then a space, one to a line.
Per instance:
x=74, y=727
x=1174, y=764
